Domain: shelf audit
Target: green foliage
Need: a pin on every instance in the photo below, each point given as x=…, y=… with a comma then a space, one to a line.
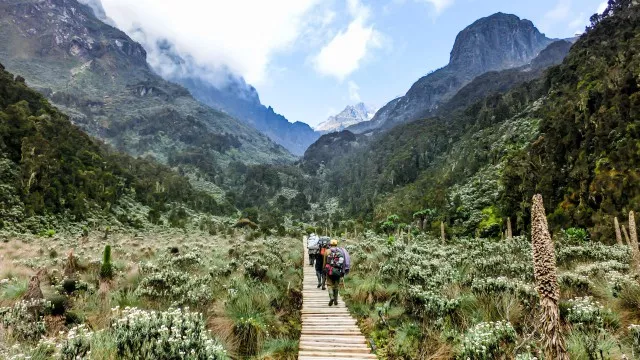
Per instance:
x=50, y=166
x=491, y=224
x=106, y=268
x=585, y=162
x=47, y=233
x=575, y=235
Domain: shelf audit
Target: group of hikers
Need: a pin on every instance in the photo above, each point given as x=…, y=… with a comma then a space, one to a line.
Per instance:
x=331, y=262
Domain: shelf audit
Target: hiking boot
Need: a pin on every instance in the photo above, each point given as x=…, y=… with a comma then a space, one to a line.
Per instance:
x=330, y=302
x=318, y=286
x=324, y=288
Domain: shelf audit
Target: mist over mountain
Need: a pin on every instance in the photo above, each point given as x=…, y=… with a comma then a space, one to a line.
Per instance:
x=351, y=115
x=496, y=42
x=100, y=77
x=223, y=90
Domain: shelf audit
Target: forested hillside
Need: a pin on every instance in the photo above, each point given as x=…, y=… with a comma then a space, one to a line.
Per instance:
x=100, y=78
x=586, y=158
x=569, y=134
x=50, y=169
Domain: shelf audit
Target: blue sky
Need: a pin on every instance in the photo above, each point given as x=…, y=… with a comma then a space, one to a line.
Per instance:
x=310, y=58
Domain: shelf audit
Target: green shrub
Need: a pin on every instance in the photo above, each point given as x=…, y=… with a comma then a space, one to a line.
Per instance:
x=250, y=311
x=58, y=304
x=11, y=289
x=575, y=235
x=47, y=233
x=106, y=269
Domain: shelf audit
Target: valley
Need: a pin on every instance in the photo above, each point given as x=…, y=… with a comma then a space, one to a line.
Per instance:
x=489, y=212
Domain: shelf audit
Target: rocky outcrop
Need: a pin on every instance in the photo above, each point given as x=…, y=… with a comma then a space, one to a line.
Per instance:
x=497, y=42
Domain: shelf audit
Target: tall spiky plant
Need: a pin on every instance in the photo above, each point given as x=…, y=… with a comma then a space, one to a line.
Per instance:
x=509, y=231
x=544, y=269
x=616, y=225
x=442, y=233
x=106, y=270
x=633, y=240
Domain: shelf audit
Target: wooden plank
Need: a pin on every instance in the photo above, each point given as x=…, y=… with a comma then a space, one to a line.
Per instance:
x=335, y=354
x=328, y=332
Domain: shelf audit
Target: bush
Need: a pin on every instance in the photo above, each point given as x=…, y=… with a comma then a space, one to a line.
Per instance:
x=58, y=304
x=575, y=235
x=76, y=344
x=170, y=282
x=488, y=341
x=24, y=320
x=250, y=311
x=171, y=334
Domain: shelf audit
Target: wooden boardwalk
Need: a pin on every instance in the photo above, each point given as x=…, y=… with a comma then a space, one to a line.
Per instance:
x=328, y=333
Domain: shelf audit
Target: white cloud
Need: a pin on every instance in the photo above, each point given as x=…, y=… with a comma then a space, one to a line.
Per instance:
x=241, y=34
x=343, y=54
x=439, y=5
x=602, y=7
x=560, y=12
x=579, y=23
x=354, y=92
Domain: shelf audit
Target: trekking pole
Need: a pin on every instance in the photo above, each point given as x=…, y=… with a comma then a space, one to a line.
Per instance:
x=344, y=284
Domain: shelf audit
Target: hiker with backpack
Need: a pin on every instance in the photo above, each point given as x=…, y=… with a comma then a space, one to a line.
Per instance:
x=312, y=247
x=336, y=265
x=323, y=246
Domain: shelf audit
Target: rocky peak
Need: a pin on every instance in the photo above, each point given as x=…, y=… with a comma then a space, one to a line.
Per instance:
x=351, y=115
x=68, y=28
x=495, y=42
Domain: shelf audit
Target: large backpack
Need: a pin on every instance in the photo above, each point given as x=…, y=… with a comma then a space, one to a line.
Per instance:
x=312, y=242
x=335, y=263
x=347, y=260
x=323, y=244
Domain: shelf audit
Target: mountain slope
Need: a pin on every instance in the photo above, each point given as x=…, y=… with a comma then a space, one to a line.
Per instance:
x=100, y=77
x=497, y=42
x=241, y=101
x=332, y=149
x=50, y=171
x=351, y=115
x=571, y=135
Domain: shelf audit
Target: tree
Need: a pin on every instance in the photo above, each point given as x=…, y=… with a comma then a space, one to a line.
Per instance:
x=423, y=217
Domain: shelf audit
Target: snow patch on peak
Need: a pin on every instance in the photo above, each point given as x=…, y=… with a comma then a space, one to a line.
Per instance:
x=351, y=115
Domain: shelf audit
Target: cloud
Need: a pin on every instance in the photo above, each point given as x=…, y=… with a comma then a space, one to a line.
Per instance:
x=439, y=5
x=354, y=92
x=343, y=54
x=560, y=12
x=602, y=7
x=243, y=35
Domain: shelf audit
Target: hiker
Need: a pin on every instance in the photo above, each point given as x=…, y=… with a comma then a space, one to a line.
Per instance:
x=334, y=270
x=323, y=246
x=312, y=246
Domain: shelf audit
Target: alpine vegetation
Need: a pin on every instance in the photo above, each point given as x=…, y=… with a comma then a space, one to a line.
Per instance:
x=486, y=214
